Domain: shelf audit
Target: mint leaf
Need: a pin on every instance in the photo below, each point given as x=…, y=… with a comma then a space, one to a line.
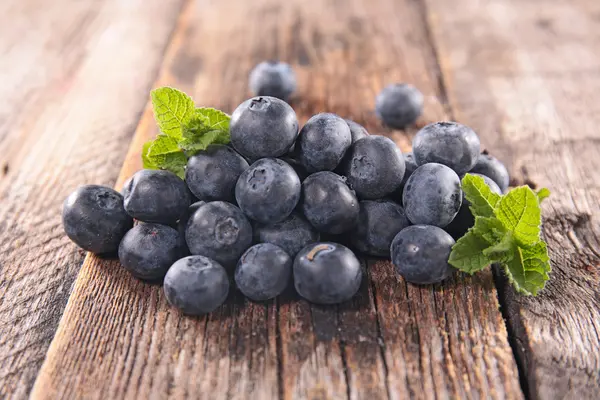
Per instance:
x=528, y=269
x=164, y=153
x=467, y=253
x=148, y=164
x=209, y=126
x=519, y=211
x=542, y=194
x=173, y=109
x=478, y=193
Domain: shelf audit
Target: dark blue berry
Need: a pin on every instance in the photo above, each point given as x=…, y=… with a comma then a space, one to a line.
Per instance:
x=291, y=234
x=263, y=271
x=272, y=78
x=399, y=105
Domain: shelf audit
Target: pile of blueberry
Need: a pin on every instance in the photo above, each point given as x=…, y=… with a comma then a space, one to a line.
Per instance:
x=281, y=204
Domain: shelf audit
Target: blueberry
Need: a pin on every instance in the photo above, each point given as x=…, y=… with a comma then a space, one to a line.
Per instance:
x=268, y=191
x=327, y=273
x=357, y=131
x=148, y=250
x=493, y=168
x=212, y=174
x=263, y=127
x=156, y=196
x=448, y=143
x=94, y=218
x=220, y=231
x=196, y=285
x=432, y=195
x=378, y=223
x=375, y=167
x=399, y=105
x=328, y=203
x=273, y=78
x=291, y=234
x=420, y=254
x=322, y=142
x=263, y=271
x=182, y=224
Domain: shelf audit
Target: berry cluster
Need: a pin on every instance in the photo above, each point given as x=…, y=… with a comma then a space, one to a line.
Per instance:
x=277, y=202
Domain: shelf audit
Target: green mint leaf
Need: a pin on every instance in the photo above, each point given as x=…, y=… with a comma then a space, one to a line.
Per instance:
x=478, y=193
x=209, y=126
x=480, y=246
x=148, y=164
x=519, y=211
x=528, y=269
x=173, y=110
x=164, y=153
x=502, y=250
x=467, y=253
x=542, y=194
x=215, y=119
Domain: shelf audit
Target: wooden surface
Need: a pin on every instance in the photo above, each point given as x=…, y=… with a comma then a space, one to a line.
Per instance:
x=525, y=77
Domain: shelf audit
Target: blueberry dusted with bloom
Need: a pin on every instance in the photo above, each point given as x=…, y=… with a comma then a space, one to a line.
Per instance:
x=375, y=167
x=449, y=143
x=263, y=271
x=182, y=224
x=328, y=203
x=273, y=78
x=492, y=168
x=219, y=231
x=399, y=105
x=291, y=234
x=268, y=191
x=432, y=195
x=322, y=142
x=156, y=196
x=420, y=254
x=263, y=127
x=148, y=250
x=357, y=131
x=94, y=218
x=327, y=273
x=211, y=174
x=196, y=285
x=378, y=223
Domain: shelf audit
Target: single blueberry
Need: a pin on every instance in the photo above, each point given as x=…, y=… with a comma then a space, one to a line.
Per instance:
x=375, y=167
x=148, y=250
x=449, y=143
x=211, y=174
x=94, y=218
x=357, y=131
x=327, y=273
x=328, y=203
x=432, y=195
x=399, y=105
x=268, y=191
x=196, y=285
x=273, y=78
x=291, y=234
x=220, y=231
x=492, y=168
x=263, y=127
x=420, y=254
x=322, y=142
x=263, y=271
x=156, y=196
x=378, y=223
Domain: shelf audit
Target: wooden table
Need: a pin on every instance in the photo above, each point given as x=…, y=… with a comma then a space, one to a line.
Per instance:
x=75, y=78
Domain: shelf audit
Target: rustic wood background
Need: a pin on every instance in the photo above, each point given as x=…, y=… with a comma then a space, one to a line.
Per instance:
x=74, y=80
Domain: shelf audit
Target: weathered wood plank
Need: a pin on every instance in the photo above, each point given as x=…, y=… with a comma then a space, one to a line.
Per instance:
x=74, y=82
x=527, y=78
x=135, y=345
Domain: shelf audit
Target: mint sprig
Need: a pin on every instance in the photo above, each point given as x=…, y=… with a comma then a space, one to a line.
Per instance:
x=507, y=231
x=185, y=130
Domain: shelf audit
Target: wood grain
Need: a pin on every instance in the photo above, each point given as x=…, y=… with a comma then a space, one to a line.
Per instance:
x=391, y=341
x=75, y=77
x=527, y=78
